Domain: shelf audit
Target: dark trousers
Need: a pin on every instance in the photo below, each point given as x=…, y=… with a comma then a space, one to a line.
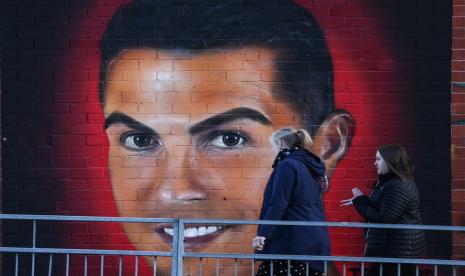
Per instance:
x=280, y=269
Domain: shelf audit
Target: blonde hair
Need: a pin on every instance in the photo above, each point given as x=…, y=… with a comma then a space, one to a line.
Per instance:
x=290, y=138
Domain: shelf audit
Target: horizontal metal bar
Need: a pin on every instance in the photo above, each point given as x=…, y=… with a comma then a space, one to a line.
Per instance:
x=84, y=251
x=232, y=222
x=322, y=223
x=324, y=258
x=86, y=218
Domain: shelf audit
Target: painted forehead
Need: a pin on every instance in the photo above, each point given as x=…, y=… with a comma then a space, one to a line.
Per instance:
x=249, y=70
x=246, y=54
x=247, y=80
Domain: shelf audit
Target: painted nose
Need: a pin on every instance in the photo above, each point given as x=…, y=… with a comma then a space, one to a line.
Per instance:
x=191, y=195
x=191, y=187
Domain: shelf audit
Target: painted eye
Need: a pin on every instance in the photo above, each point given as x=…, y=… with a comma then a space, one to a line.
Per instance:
x=140, y=142
x=227, y=140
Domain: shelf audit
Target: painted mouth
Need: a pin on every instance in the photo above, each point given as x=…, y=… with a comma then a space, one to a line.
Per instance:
x=194, y=236
x=194, y=232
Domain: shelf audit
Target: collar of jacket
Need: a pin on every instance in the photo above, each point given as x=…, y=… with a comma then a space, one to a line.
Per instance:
x=283, y=153
x=386, y=177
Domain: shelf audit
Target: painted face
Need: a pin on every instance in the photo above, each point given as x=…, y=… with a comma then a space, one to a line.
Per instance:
x=189, y=139
x=381, y=166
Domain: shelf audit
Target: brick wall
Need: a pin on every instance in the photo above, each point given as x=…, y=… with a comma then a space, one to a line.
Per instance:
x=391, y=72
x=458, y=127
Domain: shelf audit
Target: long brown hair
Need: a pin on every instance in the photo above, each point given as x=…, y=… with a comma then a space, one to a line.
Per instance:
x=397, y=161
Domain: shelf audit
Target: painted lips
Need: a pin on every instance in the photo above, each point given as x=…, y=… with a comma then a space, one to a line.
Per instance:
x=194, y=232
x=194, y=236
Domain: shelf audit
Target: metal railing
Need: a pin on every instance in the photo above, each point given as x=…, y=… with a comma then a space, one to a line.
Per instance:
x=178, y=254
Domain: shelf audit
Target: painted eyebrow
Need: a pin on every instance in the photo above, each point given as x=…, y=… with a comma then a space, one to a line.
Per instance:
x=229, y=116
x=121, y=118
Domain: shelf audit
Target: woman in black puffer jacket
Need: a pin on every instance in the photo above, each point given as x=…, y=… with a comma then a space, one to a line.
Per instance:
x=394, y=199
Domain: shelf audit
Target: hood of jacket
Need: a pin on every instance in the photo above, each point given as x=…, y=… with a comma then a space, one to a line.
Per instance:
x=309, y=159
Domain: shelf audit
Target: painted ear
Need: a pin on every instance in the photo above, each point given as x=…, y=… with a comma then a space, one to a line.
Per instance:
x=332, y=139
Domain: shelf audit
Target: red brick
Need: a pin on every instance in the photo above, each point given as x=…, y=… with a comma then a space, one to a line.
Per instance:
x=329, y=2
x=68, y=140
x=458, y=195
x=80, y=238
x=458, y=54
x=118, y=238
x=458, y=164
x=85, y=108
x=98, y=162
x=196, y=108
x=458, y=130
x=67, y=118
x=458, y=218
x=458, y=11
x=56, y=151
x=214, y=76
x=242, y=76
x=78, y=86
x=458, y=205
x=52, y=173
x=52, y=195
x=71, y=206
x=458, y=65
x=458, y=76
x=458, y=108
x=70, y=162
x=70, y=184
x=190, y=65
x=87, y=151
x=96, y=140
x=458, y=174
x=458, y=98
x=458, y=33
x=90, y=22
x=99, y=184
x=95, y=118
x=86, y=173
x=458, y=21
x=86, y=195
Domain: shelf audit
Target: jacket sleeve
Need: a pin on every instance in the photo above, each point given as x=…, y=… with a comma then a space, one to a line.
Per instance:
x=282, y=185
x=393, y=204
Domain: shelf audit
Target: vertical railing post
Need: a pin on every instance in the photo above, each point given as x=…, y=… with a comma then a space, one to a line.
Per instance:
x=34, y=230
x=178, y=248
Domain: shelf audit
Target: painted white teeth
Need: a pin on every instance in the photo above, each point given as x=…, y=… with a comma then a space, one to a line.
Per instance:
x=169, y=231
x=211, y=229
x=202, y=231
x=193, y=232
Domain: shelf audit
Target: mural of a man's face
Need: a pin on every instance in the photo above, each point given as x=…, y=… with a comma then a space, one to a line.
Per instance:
x=189, y=138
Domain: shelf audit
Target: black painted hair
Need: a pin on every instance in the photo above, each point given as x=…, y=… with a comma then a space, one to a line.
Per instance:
x=303, y=64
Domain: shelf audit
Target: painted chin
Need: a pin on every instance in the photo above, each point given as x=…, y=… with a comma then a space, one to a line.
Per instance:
x=195, y=236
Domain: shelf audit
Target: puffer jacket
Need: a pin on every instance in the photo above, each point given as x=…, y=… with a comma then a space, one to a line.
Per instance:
x=392, y=201
x=293, y=193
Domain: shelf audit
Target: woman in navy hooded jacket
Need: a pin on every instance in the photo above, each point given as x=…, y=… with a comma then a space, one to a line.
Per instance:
x=293, y=193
